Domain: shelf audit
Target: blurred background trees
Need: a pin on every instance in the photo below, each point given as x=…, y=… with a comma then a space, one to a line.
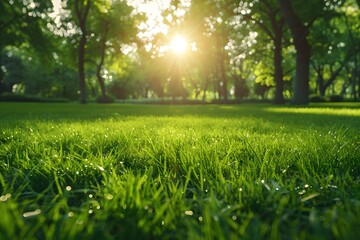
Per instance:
x=208, y=50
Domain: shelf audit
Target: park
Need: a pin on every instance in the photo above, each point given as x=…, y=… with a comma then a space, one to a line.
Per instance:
x=179, y=119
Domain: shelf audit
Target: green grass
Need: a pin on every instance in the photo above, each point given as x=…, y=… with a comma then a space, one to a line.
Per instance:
x=70, y=171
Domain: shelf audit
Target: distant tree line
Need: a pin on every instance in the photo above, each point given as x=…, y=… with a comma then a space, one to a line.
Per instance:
x=100, y=49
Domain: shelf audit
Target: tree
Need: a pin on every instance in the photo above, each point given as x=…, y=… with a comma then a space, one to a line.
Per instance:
x=111, y=26
x=21, y=24
x=300, y=18
x=207, y=21
x=350, y=14
x=81, y=10
x=335, y=49
x=14, y=71
x=299, y=32
x=266, y=14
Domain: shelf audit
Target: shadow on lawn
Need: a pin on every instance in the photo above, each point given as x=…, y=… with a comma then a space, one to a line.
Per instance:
x=319, y=115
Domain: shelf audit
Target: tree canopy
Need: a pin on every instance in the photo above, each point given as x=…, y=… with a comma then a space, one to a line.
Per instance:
x=281, y=50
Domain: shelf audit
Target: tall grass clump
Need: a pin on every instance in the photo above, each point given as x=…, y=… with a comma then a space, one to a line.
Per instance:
x=179, y=172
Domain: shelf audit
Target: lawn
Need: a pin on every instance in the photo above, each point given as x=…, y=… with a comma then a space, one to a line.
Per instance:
x=131, y=171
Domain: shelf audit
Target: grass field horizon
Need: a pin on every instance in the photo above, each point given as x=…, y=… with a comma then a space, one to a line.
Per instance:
x=135, y=171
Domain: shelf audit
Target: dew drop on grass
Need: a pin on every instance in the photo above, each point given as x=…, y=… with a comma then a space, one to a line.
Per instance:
x=265, y=185
x=79, y=221
x=5, y=197
x=200, y=218
x=302, y=192
x=91, y=196
x=101, y=168
x=189, y=212
x=109, y=196
x=70, y=214
x=31, y=214
x=90, y=211
x=234, y=217
x=240, y=189
x=68, y=188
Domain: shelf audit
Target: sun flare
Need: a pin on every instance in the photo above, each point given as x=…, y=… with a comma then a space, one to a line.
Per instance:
x=178, y=44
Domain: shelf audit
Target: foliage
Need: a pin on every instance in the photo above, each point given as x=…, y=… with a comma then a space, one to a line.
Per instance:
x=336, y=98
x=14, y=72
x=332, y=98
x=21, y=25
x=317, y=98
x=22, y=21
x=230, y=47
x=11, y=97
x=105, y=99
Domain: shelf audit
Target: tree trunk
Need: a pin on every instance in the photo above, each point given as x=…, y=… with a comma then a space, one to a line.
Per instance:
x=82, y=13
x=2, y=75
x=100, y=81
x=320, y=80
x=277, y=26
x=356, y=76
x=303, y=52
x=334, y=75
x=276, y=35
x=278, y=74
x=175, y=85
x=301, y=88
x=99, y=66
x=81, y=63
x=353, y=84
x=205, y=88
x=237, y=85
x=322, y=88
x=215, y=80
x=224, y=79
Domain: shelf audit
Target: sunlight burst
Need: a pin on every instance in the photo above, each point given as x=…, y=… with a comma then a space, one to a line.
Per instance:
x=178, y=44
